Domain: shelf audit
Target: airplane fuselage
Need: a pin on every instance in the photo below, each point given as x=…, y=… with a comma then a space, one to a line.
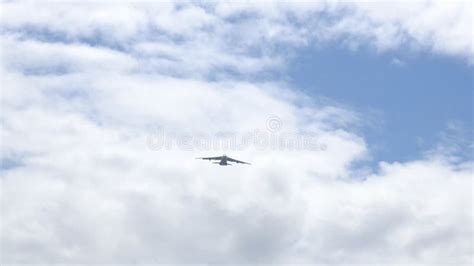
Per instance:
x=223, y=161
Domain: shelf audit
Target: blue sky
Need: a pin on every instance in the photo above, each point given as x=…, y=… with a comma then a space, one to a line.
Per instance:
x=410, y=104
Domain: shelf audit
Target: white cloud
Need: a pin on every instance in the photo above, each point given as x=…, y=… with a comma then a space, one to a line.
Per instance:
x=397, y=62
x=83, y=91
x=244, y=36
x=36, y=57
x=441, y=26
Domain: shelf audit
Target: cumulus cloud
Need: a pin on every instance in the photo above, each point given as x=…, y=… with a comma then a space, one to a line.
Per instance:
x=245, y=36
x=91, y=91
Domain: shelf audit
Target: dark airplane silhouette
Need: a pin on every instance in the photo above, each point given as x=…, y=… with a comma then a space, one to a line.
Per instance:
x=223, y=160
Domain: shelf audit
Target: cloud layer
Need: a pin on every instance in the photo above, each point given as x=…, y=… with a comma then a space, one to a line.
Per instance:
x=87, y=89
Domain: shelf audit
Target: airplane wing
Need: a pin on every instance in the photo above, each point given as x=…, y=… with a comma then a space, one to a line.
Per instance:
x=210, y=158
x=235, y=161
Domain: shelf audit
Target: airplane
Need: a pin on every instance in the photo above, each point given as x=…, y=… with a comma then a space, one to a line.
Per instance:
x=223, y=160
